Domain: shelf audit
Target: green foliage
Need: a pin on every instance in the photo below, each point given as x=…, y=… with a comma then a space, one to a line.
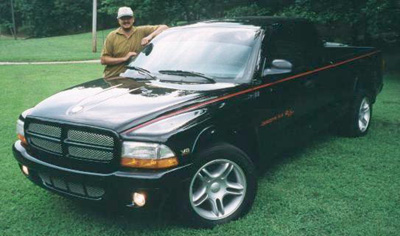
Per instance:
x=360, y=21
x=251, y=10
x=351, y=21
x=41, y=18
x=171, y=12
x=5, y=16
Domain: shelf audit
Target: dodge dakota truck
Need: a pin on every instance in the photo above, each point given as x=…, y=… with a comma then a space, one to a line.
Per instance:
x=194, y=114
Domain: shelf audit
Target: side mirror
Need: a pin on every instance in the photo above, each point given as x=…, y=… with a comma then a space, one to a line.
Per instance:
x=129, y=60
x=278, y=66
x=147, y=50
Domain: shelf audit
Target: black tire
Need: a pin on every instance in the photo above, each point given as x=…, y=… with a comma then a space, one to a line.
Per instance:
x=353, y=124
x=221, y=155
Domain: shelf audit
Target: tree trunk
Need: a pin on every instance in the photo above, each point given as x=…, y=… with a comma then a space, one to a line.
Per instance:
x=14, y=30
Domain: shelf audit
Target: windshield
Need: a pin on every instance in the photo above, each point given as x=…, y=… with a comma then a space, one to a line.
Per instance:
x=219, y=53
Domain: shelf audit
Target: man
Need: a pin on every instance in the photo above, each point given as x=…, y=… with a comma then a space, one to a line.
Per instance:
x=125, y=42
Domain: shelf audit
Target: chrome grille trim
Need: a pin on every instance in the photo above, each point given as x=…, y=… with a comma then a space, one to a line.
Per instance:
x=69, y=141
x=90, y=138
x=47, y=130
x=92, y=154
x=46, y=145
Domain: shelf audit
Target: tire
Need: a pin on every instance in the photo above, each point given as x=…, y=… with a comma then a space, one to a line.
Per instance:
x=222, y=187
x=358, y=119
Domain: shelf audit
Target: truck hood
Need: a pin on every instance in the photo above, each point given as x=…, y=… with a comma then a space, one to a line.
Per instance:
x=121, y=102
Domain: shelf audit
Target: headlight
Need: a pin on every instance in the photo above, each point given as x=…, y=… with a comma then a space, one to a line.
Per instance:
x=147, y=155
x=20, y=131
x=20, y=126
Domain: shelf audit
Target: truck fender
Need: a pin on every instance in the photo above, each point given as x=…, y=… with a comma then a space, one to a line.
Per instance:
x=242, y=140
x=206, y=135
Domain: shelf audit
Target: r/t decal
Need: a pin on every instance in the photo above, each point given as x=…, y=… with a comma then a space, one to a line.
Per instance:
x=288, y=113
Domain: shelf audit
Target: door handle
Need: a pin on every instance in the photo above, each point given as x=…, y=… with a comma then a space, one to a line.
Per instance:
x=309, y=84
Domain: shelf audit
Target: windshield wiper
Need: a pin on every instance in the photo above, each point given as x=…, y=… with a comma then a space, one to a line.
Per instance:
x=142, y=71
x=187, y=73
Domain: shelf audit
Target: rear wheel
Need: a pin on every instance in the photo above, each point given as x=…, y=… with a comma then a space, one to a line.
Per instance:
x=222, y=187
x=364, y=115
x=358, y=120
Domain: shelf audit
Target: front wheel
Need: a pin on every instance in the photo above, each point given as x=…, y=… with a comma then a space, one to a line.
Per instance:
x=222, y=187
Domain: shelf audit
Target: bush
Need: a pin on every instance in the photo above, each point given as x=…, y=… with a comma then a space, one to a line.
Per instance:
x=251, y=10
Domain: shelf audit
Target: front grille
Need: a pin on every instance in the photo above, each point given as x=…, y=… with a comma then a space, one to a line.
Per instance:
x=91, y=138
x=67, y=141
x=72, y=187
x=48, y=145
x=90, y=154
x=48, y=130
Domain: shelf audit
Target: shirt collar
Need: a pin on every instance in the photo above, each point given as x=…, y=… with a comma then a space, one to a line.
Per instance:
x=121, y=31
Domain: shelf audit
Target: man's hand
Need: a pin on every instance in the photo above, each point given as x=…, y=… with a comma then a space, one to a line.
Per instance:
x=146, y=40
x=107, y=60
x=129, y=55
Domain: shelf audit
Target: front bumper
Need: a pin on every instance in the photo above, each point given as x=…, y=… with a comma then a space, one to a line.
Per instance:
x=117, y=186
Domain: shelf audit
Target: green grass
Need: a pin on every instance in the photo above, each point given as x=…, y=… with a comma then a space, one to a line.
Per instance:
x=333, y=186
x=61, y=48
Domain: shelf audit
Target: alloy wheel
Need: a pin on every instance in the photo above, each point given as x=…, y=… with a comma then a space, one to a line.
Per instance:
x=364, y=115
x=217, y=189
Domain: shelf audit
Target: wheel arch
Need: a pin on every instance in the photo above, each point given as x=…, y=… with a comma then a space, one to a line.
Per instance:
x=369, y=81
x=243, y=139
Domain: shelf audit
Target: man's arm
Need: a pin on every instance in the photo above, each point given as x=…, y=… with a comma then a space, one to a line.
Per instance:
x=107, y=60
x=158, y=31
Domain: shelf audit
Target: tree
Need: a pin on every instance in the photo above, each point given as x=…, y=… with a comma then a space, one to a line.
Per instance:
x=351, y=21
x=359, y=20
x=40, y=18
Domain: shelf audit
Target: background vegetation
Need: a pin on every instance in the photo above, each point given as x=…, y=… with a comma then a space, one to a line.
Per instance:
x=351, y=21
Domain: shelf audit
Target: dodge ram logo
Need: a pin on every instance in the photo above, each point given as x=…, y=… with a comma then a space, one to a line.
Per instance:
x=76, y=109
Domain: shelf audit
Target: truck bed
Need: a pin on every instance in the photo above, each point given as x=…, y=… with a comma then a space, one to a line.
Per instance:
x=337, y=52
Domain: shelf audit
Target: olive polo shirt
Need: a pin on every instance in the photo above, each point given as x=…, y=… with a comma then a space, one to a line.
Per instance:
x=118, y=45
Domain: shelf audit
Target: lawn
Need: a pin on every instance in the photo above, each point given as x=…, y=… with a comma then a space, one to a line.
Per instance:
x=333, y=186
x=60, y=48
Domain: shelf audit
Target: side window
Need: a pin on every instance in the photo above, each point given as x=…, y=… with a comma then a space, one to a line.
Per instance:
x=308, y=36
x=283, y=45
x=295, y=43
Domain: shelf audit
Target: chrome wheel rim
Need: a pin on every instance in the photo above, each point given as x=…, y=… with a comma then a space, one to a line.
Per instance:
x=217, y=189
x=364, y=115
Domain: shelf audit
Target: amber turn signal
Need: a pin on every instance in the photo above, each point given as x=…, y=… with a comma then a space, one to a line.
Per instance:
x=23, y=139
x=149, y=163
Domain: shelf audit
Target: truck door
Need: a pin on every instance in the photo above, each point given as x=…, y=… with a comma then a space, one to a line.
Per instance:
x=326, y=83
x=286, y=102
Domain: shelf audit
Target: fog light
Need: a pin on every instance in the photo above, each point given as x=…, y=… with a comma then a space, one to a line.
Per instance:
x=25, y=170
x=139, y=199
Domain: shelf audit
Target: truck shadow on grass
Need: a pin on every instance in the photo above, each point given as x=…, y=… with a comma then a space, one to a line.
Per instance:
x=167, y=216
x=126, y=219
x=293, y=152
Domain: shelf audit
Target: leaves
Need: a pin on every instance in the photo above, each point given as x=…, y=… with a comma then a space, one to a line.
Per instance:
x=350, y=21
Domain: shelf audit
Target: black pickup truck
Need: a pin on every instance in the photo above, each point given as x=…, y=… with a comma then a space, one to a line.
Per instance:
x=195, y=113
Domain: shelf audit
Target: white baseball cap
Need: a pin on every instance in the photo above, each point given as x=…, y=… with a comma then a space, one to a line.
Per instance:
x=124, y=11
